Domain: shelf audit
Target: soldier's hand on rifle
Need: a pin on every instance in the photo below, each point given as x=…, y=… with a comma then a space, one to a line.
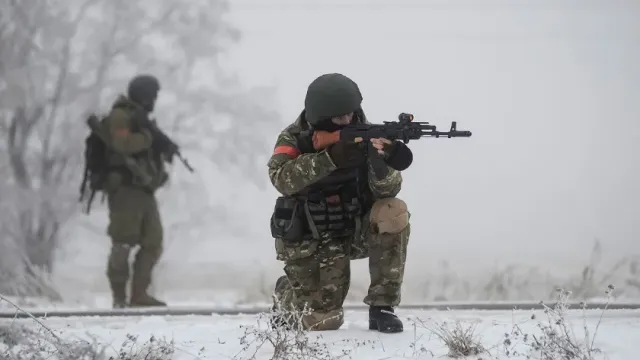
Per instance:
x=346, y=154
x=396, y=153
x=384, y=146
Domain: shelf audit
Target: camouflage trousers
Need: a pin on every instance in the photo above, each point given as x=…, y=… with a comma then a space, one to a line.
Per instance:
x=134, y=219
x=318, y=272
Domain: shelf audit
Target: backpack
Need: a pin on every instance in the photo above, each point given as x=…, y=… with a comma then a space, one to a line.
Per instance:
x=95, y=165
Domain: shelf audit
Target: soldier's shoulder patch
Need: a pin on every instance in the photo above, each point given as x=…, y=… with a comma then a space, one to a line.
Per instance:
x=122, y=132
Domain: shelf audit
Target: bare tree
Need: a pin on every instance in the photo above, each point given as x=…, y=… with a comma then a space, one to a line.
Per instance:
x=62, y=60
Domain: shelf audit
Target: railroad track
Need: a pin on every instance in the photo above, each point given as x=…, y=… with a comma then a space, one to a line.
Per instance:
x=212, y=310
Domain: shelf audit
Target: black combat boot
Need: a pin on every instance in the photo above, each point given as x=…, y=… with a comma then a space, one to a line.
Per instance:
x=139, y=295
x=145, y=300
x=142, y=268
x=383, y=319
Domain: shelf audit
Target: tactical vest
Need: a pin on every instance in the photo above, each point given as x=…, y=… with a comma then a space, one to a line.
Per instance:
x=150, y=160
x=331, y=207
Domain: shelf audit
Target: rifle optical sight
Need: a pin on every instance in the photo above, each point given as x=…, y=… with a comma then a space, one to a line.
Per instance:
x=405, y=117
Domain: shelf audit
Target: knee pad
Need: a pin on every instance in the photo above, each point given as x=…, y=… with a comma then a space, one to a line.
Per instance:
x=389, y=215
x=323, y=321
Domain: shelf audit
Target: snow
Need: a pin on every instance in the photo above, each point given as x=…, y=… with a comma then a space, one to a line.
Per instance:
x=218, y=337
x=103, y=301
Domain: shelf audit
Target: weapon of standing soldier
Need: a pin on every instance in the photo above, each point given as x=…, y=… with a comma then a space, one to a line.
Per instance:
x=404, y=129
x=129, y=162
x=166, y=145
x=136, y=170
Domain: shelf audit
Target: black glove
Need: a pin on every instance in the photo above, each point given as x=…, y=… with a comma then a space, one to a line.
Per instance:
x=399, y=156
x=378, y=163
x=346, y=154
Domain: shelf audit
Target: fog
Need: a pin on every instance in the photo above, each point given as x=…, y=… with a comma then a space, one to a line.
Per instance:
x=550, y=90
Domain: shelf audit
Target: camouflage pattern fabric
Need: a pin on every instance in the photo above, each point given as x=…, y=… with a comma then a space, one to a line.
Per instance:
x=318, y=271
x=291, y=171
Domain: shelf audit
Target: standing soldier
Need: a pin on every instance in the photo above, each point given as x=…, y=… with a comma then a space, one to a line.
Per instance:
x=134, y=218
x=338, y=204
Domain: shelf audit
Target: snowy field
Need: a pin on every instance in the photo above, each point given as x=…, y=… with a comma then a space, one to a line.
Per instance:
x=221, y=337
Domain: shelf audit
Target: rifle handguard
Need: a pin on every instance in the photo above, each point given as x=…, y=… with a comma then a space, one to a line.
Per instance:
x=322, y=139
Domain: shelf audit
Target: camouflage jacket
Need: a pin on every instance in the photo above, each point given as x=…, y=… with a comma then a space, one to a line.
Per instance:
x=129, y=137
x=291, y=169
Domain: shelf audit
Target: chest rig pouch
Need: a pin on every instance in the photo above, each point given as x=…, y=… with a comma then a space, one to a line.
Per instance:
x=332, y=214
x=327, y=211
x=331, y=207
x=288, y=220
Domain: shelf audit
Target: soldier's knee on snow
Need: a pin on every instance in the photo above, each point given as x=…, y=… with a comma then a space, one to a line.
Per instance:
x=389, y=216
x=323, y=321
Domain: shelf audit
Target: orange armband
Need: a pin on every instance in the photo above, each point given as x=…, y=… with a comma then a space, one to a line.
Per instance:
x=122, y=132
x=289, y=150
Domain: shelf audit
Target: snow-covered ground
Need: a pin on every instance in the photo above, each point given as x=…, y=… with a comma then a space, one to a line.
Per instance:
x=103, y=301
x=219, y=337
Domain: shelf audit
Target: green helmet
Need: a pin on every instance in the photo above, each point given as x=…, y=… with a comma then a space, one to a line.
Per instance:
x=331, y=95
x=144, y=89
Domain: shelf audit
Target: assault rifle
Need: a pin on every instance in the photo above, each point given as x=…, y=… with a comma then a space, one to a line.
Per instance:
x=129, y=162
x=95, y=169
x=404, y=129
x=166, y=145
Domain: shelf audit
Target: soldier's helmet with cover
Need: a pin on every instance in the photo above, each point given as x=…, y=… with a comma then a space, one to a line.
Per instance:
x=331, y=95
x=144, y=90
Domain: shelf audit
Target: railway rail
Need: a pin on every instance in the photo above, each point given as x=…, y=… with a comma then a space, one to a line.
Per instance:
x=239, y=310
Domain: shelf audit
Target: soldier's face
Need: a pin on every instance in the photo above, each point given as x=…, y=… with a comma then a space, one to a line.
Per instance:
x=343, y=120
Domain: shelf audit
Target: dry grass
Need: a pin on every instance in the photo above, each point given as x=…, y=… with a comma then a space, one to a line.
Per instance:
x=20, y=342
x=459, y=337
x=290, y=342
x=514, y=282
x=556, y=338
x=551, y=338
